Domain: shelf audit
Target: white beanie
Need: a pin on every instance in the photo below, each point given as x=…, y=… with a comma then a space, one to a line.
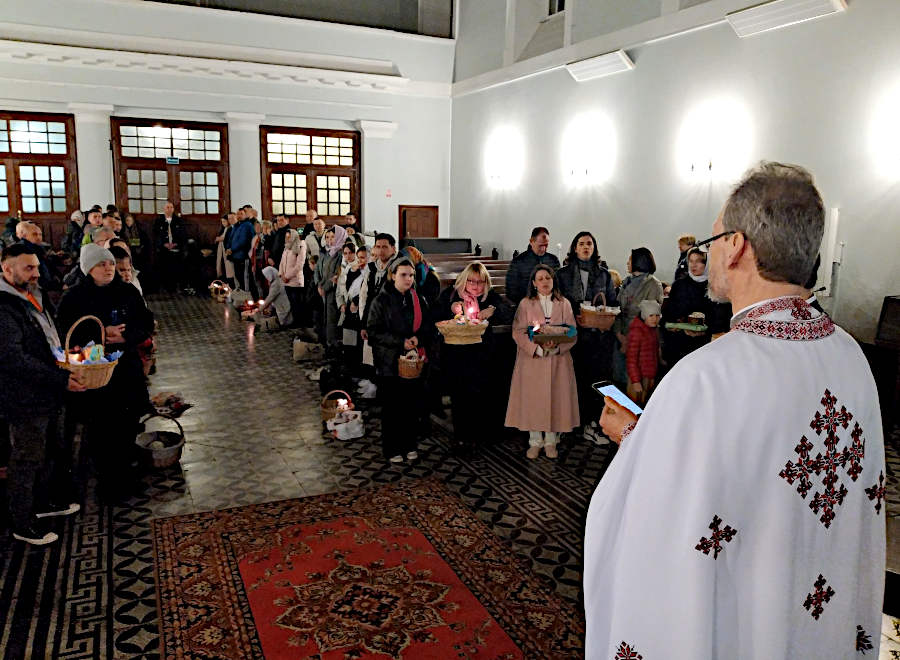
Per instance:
x=649, y=308
x=92, y=254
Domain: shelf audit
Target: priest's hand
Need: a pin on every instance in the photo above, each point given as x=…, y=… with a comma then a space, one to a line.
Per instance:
x=614, y=419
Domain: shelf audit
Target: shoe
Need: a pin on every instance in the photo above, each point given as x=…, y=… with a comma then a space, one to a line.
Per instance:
x=59, y=510
x=396, y=459
x=550, y=451
x=595, y=436
x=33, y=537
x=533, y=452
x=411, y=456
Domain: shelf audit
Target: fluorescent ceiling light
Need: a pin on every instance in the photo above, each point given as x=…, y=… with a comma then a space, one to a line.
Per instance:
x=781, y=13
x=602, y=65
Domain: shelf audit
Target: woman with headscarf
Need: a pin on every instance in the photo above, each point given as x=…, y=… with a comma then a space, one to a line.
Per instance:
x=581, y=280
x=290, y=271
x=640, y=285
x=348, y=290
x=330, y=262
x=428, y=284
x=277, y=297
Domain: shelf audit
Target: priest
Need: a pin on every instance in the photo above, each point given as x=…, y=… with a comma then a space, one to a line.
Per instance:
x=744, y=515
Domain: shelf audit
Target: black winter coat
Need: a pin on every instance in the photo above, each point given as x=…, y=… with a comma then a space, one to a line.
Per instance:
x=502, y=313
x=276, y=247
x=127, y=387
x=30, y=382
x=518, y=277
x=161, y=232
x=568, y=279
x=390, y=322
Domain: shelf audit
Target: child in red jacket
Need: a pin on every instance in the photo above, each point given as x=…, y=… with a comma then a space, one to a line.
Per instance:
x=642, y=352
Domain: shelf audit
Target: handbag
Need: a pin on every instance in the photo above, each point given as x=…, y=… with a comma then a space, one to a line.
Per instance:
x=349, y=337
x=368, y=357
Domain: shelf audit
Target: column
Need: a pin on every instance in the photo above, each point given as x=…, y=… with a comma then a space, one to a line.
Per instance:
x=244, y=159
x=379, y=211
x=92, y=146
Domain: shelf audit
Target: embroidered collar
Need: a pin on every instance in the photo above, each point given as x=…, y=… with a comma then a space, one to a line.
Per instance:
x=788, y=317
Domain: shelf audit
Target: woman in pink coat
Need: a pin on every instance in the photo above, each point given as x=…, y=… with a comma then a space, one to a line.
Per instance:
x=290, y=270
x=543, y=398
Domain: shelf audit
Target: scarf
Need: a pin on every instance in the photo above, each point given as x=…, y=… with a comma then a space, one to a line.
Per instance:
x=417, y=319
x=700, y=278
x=355, y=286
x=546, y=306
x=340, y=237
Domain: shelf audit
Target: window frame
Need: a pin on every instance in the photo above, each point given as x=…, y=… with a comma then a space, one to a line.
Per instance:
x=311, y=171
x=203, y=226
x=53, y=223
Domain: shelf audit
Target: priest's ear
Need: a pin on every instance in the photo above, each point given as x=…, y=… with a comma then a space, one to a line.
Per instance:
x=737, y=248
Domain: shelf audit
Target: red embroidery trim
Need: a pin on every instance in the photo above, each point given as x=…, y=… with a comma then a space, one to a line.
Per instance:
x=627, y=652
x=863, y=641
x=803, y=328
x=627, y=430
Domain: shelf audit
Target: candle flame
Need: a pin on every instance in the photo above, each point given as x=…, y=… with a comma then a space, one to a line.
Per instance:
x=537, y=326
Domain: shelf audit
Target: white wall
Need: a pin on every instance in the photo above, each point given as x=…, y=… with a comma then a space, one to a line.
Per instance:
x=482, y=25
x=413, y=163
x=810, y=91
x=593, y=17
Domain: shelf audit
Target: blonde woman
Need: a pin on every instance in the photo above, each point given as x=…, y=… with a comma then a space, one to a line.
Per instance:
x=466, y=369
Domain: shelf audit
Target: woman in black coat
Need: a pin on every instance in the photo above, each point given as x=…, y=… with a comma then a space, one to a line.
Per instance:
x=467, y=368
x=688, y=295
x=582, y=279
x=111, y=413
x=399, y=321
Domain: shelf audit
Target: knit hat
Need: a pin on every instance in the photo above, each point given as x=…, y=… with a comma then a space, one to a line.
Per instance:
x=92, y=254
x=649, y=308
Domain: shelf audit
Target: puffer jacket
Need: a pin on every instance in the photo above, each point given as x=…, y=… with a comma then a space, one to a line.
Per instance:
x=518, y=276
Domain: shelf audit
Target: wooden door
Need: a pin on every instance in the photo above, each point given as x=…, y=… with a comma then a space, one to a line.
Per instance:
x=418, y=221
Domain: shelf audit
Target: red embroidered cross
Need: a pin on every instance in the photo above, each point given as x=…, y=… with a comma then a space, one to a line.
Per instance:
x=818, y=597
x=715, y=543
x=863, y=641
x=827, y=464
x=876, y=492
x=627, y=652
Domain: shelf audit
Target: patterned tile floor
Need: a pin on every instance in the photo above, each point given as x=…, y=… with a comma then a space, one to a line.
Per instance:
x=255, y=435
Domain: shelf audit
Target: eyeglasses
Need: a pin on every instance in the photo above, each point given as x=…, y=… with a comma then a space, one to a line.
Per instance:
x=704, y=245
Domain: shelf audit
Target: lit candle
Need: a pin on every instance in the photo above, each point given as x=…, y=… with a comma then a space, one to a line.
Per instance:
x=342, y=404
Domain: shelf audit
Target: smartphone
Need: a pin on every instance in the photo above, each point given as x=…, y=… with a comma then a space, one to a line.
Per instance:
x=606, y=388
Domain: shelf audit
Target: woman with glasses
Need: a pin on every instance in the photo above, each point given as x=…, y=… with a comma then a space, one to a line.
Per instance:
x=466, y=368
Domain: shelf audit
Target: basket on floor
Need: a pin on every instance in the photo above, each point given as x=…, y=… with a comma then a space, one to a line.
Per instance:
x=461, y=334
x=332, y=406
x=600, y=318
x=410, y=367
x=92, y=376
x=172, y=443
x=219, y=290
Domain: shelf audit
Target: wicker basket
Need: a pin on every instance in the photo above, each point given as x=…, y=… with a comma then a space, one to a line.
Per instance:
x=265, y=323
x=219, y=290
x=597, y=319
x=461, y=334
x=170, y=453
x=92, y=376
x=410, y=368
x=330, y=406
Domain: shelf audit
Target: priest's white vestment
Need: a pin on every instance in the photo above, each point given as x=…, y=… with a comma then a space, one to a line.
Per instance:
x=744, y=516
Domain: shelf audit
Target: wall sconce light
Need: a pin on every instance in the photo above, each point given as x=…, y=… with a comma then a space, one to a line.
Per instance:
x=600, y=66
x=715, y=141
x=781, y=13
x=884, y=134
x=588, y=149
x=504, y=158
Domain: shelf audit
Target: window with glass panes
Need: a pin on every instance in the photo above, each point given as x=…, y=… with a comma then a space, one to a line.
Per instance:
x=310, y=169
x=38, y=172
x=179, y=161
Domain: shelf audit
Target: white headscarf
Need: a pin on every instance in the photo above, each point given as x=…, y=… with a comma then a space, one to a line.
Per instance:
x=270, y=273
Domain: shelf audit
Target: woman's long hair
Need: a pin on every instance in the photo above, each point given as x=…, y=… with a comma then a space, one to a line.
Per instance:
x=532, y=290
x=571, y=258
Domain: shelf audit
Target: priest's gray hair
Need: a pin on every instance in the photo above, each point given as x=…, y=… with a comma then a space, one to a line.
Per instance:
x=778, y=209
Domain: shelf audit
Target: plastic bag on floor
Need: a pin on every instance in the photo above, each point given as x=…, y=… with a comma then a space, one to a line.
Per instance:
x=346, y=425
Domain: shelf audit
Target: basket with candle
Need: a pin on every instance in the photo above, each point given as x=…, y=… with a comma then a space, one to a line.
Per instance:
x=562, y=333
x=462, y=330
x=91, y=365
x=334, y=402
x=219, y=290
x=599, y=317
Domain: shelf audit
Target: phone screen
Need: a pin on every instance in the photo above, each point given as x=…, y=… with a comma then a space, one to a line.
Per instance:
x=608, y=389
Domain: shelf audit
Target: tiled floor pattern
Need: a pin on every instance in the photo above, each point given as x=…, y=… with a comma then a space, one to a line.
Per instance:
x=255, y=435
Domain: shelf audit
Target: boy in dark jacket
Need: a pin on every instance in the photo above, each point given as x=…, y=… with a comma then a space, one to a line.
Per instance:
x=34, y=406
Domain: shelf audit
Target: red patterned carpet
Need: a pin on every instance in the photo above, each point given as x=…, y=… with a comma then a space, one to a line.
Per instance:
x=403, y=571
